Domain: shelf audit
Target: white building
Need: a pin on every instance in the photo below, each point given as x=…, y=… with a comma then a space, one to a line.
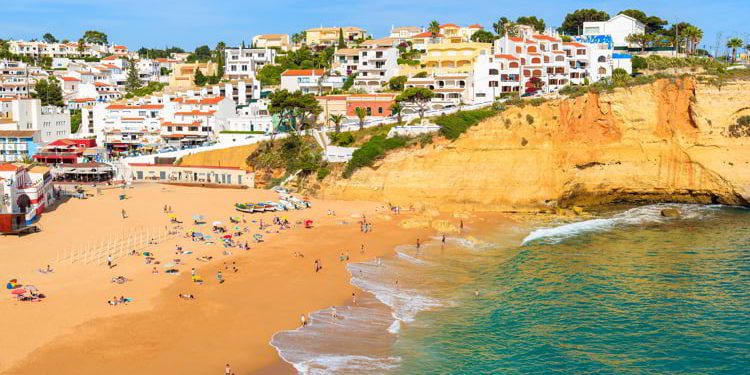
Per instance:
x=375, y=67
x=310, y=81
x=242, y=63
x=51, y=122
x=405, y=33
x=619, y=27
x=251, y=118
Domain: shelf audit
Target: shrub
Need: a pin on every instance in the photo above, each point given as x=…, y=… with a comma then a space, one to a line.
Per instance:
x=371, y=151
x=530, y=119
x=323, y=172
x=452, y=126
x=342, y=139
x=740, y=129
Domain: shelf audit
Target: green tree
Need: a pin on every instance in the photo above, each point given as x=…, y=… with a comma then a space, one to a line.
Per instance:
x=201, y=54
x=482, y=36
x=49, y=92
x=397, y=83
x=133, y=81
x=396, y=109
x=342, y=43
x=199, y=79
x=95, y=37
x=422, y=74
x=642, y=40
x=653, y=24
x=49, y=38
x=693, y=36
x=299, y=38
x=361, y=115
x=337, y=120
x=434, y=28
x=81, y=46
x=75, y=120
x=349, y=82
x=537, y=23
x=573, y=22
x=419, y=96
x=219, y=58
x=734, y=44
x=294, y=108
x=270, y=75
x=503, y=26
x=620, y=77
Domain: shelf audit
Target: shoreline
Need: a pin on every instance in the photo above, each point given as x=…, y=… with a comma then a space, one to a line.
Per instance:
x=106, y=340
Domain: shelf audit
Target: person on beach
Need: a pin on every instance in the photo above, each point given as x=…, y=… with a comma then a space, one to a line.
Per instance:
x=219, y=277
x=109, y=261
x=418, y=244
x=354, y=299
x=124, y=214
x=333, y=313
x=443, y=240
x=227, y=370
x=461, y=226
x=476, y=292
x=362, y=249
x=303, y=320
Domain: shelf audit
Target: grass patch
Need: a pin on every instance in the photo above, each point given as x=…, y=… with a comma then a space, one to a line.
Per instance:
x=371, y=151
x=453, y=125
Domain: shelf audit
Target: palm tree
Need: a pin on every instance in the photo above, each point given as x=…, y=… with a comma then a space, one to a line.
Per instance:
x=693, y=36
x=434, y=28
x=361, y=114
x=734, y=43
x=337, y=120
x=396, y=109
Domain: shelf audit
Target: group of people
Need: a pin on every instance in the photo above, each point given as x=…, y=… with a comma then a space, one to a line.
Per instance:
x=119, y=301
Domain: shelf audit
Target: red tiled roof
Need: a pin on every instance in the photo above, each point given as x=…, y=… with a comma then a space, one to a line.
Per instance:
x=428, y=34
x=507, y=57
x=545, y=37
x=83, y=100
x=195, y=113
x=449, y=25
x=476, y=26
x=70, y=79
x=574, y=44
x=202, y=101
x=303, y=72
x=142, y=106
x=110, y=58
x=169, y=123
x=9, y=168
x=515, y=39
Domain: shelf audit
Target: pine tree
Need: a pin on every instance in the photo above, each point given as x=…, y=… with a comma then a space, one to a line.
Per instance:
x=133, y=82
x=200, y=79
x=342, y=43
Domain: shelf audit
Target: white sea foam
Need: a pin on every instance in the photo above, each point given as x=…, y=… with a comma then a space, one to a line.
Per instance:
x=405, y=303
x=346, y=364
x=410, y=258
x=395, y=327
x=650, y=214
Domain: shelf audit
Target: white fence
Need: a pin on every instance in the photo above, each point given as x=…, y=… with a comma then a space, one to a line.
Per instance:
x=139, y=239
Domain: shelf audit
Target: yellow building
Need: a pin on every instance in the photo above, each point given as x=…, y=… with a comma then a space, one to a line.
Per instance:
x=183, y=75
x=280, y=41
x=329, y=36
x=448, y=57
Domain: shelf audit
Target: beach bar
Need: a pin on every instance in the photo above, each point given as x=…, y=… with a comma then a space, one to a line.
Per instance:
x=84, y=172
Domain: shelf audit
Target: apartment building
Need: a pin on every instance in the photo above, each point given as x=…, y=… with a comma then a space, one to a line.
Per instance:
x=242, y=63
x=405, y=33
x=277, y=41
x=183, y=74
x=346, y=60
x=618, y=27
x=50, y=122
x=315, y=81
x=449, y=88
x=18, y=145
x=453, y=33
x=42, y=49
x=329, y=36
x=26, y=192
x=443, y=58
x=375, y=67
x=376, y=105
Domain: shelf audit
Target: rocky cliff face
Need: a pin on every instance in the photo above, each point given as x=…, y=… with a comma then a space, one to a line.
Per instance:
x=662, y=142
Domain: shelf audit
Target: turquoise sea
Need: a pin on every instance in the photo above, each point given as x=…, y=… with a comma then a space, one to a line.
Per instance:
x=628, y=292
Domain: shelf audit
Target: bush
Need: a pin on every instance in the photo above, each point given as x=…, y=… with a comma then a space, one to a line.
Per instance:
x=371, y=151
x=452, y=126
x=740, y=129
x=323, y=172
x=530, y=119
x=342, y=139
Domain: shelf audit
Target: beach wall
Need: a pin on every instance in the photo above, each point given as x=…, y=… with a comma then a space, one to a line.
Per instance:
x=666, y=141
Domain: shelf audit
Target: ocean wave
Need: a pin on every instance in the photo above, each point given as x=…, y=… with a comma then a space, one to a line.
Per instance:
x=410, y=258
x=346, y=364
x=405, y=303
x=650, y=214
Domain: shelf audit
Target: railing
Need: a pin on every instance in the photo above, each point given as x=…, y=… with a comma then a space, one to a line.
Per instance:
x=138, y=239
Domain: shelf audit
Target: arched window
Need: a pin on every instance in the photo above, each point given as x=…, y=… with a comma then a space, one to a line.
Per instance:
x=555, y=47
x=526, y=73
x=559, y=58
x=513, y=64
x=537, y=73
x=519, y=49
x=531, y=49
x=523, y=60
x=494, y=72
x=461, y=84
x=602, y=71
x=546, y=59
x=536, y=60
x=602, y=59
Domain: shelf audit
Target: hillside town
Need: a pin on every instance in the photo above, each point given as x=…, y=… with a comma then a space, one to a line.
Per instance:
x=92, y=110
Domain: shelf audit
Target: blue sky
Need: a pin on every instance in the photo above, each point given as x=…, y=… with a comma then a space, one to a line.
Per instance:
x=189, y=23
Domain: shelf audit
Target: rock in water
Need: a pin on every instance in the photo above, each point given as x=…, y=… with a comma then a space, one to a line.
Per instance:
x=670, y=212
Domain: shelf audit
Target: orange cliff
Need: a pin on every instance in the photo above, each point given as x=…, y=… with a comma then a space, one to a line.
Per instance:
x=663, y=142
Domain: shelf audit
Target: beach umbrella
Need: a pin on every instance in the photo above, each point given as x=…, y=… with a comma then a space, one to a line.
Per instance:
x=197, y=217
x=216, y=223
x=18, y=291
x=227, y=236
x=237, y=228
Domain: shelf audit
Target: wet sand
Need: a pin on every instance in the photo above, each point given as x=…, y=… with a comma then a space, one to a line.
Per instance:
x=74, y=331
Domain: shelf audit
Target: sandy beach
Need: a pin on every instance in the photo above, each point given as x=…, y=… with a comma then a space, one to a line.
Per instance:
x=75, y=331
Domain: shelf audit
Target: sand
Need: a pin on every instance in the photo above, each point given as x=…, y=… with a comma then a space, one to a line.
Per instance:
x=74, y=331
